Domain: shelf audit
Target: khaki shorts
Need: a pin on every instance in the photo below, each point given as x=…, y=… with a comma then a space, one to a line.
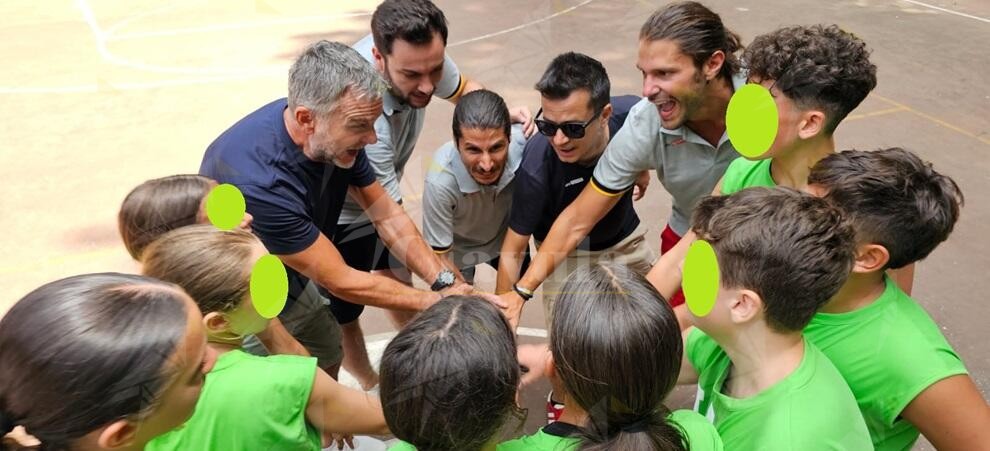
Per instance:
x=633, y=252
x=309, y=321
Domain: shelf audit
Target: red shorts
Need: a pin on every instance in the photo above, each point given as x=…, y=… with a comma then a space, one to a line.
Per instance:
x=669, y=238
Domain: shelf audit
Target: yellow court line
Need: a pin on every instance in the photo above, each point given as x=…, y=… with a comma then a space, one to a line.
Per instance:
x=934, y=119
x=853, y=117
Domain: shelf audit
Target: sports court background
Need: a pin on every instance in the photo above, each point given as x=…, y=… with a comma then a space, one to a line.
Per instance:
x=97, y=96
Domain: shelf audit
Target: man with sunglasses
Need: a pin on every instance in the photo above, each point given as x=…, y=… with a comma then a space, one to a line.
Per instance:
x=690, y=70
x=576, y=122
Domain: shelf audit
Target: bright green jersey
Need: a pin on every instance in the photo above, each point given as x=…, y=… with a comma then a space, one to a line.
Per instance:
x=888, y=352
x=810, y=409
x=743, y=173
x=401, y=446
x=697, y=432
x=249, y=403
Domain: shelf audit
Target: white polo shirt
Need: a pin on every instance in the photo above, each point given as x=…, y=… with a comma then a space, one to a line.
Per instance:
x=462, y=216
x=687, y=165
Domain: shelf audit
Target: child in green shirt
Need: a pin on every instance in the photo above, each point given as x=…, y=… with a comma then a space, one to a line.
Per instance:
x=449, y=378
x=248, y=402
x=817, y=75
x=904, y=374
x=781, y=255
x=614, y=356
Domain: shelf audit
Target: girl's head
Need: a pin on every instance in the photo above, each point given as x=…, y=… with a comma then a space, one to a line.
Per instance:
x=164, y=204
x=214, y=267
x=449, y=379
x=101, y=361
x=616, y=351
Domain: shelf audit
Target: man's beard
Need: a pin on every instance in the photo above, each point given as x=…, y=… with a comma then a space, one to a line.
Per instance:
x=394, y=91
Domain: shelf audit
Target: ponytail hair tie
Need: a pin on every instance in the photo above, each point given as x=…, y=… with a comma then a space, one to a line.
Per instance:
x=641, y=425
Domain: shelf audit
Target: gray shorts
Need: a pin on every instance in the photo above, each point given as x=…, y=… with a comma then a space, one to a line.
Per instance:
x=309, y=321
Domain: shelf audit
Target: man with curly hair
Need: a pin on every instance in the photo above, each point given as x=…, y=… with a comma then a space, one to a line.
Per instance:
x=816, y=76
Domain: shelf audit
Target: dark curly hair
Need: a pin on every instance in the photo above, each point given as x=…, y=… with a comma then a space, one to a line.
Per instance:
x=817, y=67
x=413, y=21
x=893, y=199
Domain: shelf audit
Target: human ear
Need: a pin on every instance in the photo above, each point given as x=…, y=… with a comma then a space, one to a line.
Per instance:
x=713, y=65
x=812, y=123
x=117, y=435
x=870, y=258
x=379, y=59
x=305, y=118
x=745, y=306
x=215, y=322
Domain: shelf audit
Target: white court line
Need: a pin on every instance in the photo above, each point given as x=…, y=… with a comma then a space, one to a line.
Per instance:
x=231, y=26
x=212, y=76
x=939, y=8
x=127, y=21
x=519, y=27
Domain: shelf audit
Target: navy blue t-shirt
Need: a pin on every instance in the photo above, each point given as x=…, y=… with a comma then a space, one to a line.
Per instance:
x=291, y=198
x=545, y=186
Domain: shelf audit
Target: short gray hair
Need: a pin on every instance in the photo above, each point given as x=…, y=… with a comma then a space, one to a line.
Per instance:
x=325, y=70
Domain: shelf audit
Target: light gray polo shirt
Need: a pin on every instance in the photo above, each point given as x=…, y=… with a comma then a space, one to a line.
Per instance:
x=462, y=216
x=687, y=165
x=398, y=129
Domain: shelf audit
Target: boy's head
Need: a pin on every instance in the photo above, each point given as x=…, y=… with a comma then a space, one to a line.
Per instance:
x=449, y=378
x=900, y=207
x=781, y=255
x=817, y=75
x=481, y=133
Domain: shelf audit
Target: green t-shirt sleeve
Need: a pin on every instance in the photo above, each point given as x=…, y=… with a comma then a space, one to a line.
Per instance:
x=401, y=446
x=920, y=364
x=699, y=433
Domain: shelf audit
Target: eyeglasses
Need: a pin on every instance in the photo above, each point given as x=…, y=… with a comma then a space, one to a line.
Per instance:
x=571, y=129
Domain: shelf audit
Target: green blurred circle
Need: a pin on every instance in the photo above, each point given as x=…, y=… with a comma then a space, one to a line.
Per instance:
x=225, y=206
x=701, y=278
x=269, y=286
x=751, y=120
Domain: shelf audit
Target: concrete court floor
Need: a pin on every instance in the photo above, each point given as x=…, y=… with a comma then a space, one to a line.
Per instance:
x=98, y=96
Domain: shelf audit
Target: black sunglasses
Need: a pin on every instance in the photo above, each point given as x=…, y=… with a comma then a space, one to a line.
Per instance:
x=572, y=129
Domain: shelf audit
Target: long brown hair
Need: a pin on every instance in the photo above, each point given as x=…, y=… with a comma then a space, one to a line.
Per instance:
x=159, y=205
x=209, y=263
x=617, y=350
x=698, y=31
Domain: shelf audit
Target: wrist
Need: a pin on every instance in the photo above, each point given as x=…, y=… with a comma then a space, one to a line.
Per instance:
x=524, y=293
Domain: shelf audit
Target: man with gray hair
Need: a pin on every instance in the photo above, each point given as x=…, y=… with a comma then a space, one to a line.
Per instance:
x=295, y=160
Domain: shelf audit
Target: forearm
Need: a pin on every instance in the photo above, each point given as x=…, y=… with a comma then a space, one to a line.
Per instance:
x=370, y=289
x=278, y=340
x=405, y=242
x=510, y=261
x=666, y=275
x=565, y=235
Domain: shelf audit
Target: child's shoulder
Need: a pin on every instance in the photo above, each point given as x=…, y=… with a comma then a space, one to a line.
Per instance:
x=744, y=173
x=698, y=432
x=273, y=370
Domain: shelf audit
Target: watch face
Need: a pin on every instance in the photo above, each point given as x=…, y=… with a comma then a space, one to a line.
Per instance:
x=446, y=277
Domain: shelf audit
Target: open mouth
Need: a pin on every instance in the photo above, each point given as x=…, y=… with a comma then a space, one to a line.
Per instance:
x=667, y=109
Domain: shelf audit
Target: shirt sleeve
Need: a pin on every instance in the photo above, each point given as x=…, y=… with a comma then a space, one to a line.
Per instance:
x=630, y=151
x=381, y=156
x=280, y=218
x=529, y=197
x=438, y=216
x=451, y=83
